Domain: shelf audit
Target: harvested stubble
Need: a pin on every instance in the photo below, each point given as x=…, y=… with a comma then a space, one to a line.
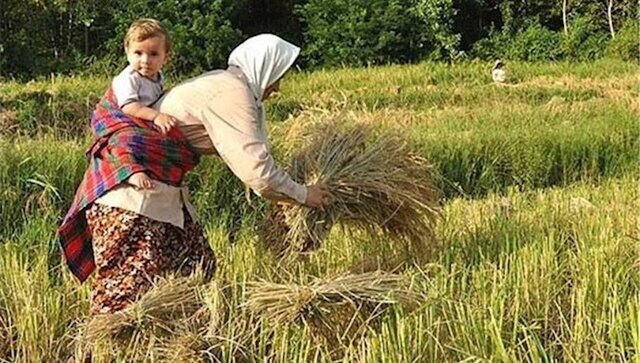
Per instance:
x=334, y=309
x=376, y=184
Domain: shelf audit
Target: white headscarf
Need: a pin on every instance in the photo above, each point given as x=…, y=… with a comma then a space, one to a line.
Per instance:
x=263, y=59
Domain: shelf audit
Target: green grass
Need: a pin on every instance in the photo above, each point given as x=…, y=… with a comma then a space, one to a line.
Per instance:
x=537, y=257
x=62, y=105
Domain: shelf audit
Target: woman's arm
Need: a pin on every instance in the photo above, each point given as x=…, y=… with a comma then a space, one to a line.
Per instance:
x=234, y=126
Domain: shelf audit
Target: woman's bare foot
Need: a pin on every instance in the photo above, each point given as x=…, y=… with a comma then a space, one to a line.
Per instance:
x=141, y=181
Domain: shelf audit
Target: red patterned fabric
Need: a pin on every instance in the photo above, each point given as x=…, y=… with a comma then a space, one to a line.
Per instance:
x=122, y=146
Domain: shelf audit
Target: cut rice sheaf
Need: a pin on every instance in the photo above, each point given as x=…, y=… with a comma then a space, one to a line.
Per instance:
x=376, y=185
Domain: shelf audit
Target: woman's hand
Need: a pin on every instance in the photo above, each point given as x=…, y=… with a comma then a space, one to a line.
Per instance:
x=317, y=196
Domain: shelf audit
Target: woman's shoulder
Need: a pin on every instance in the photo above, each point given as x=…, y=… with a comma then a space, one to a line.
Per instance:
x=217, y=90
x=218, y=83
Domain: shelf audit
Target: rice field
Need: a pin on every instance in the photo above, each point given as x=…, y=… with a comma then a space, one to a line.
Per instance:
x=536, y=256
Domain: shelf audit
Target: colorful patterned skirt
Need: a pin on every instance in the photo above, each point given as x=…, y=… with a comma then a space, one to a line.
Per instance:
x=132, y=250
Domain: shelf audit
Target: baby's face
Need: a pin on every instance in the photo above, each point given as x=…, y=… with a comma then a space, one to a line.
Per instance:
x=147, y=56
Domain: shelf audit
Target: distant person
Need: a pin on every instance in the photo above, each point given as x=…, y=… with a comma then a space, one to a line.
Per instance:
x=499, y=74
x=141, y=83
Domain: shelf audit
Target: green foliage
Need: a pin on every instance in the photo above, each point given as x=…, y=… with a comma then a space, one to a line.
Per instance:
x=269, y=16
x=436, y=21
x=518, y=15
x=361, y=32
x=494, y=46
x=85, y=36
x=535, y=43
x=41, y=37
x=626, y=45
x=584, y=39
x=201, y=34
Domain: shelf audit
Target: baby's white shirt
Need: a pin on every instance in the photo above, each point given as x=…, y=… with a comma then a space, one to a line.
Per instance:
x=130, y=86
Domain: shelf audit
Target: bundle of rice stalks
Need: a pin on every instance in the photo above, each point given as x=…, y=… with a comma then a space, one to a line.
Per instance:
x=376, y=184
x=334, y=309
x=178, y=317
x=168, y=301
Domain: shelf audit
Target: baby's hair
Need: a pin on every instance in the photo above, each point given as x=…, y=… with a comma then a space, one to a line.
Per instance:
x=143, y=29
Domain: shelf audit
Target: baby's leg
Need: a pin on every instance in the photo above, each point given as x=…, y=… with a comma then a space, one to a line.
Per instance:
x=141, y=180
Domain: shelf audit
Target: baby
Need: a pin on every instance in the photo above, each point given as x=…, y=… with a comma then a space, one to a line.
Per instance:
x=140, y=84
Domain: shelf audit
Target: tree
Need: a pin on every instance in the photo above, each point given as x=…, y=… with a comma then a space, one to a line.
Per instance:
x=564, y=17
x=361, y=32
x=608, y=14
x=202, y=35
x=438, y=16
x=272, y=16
x=610, y=18
x=42, y=36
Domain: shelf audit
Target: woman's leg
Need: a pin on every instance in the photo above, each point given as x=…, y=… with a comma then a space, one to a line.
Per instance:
x=128, y=250
x=131, y=251
x=190, y=249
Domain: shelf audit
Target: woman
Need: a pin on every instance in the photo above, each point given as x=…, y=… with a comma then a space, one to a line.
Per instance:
x=137, y=235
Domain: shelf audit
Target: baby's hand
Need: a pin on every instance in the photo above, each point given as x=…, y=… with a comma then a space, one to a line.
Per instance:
x=164, y=122
x=141, y=180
